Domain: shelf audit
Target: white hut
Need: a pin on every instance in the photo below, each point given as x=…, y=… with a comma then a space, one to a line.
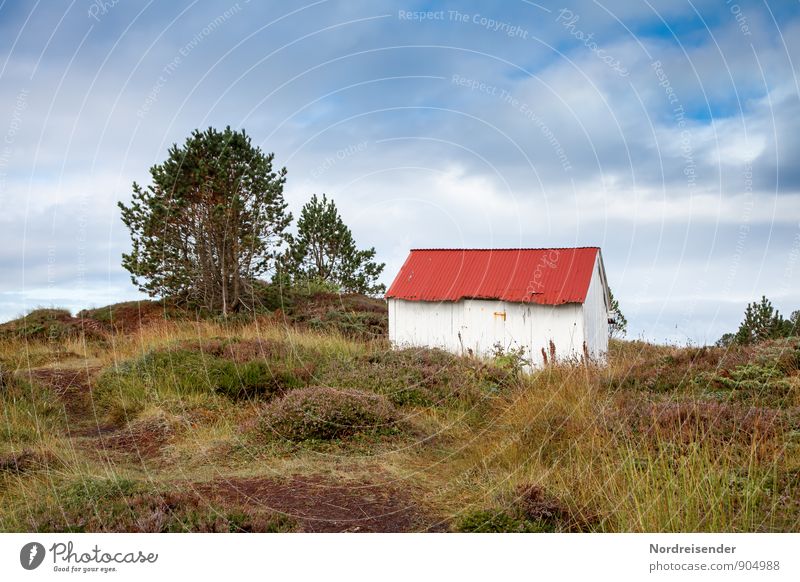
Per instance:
x=553, y=303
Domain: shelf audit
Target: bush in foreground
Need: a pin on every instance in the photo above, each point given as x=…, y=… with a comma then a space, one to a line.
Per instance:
x=322, y=413
x=530, y=509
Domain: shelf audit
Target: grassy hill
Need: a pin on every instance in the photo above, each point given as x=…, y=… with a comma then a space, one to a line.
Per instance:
x=138, y=417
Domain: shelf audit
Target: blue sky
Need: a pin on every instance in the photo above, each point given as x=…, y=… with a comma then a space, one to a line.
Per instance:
x=666, y=132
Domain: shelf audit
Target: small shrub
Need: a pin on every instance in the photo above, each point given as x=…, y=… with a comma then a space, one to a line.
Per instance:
x=322, y=413
x=511, y=359
x=530, y=508
x=758, y=382
x=539, y=506
x=783, y=355
x=493, y=521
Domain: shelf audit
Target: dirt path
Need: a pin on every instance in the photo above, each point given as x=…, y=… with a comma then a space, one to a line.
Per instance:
x=72, y=386
x=321, y=505
x=87, y=427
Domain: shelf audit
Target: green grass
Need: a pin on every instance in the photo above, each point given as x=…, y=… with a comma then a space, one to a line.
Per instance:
x=181, y=378
x=697, y=490
x=118, y=504
x=29, y=415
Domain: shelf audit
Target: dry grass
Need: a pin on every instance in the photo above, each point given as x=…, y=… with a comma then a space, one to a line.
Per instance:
x=657, y=465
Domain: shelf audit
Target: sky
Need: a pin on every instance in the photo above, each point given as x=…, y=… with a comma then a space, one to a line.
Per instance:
x=665, y=132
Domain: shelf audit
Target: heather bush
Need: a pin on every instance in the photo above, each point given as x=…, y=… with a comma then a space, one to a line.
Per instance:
x=528, y=509
x=540, y=506
x=321, y=413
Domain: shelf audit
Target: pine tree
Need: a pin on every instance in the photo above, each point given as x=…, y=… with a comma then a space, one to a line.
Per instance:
x=761, y=322
x=323, y=251
x=727, y=339
x=793, y=324
x=211, y=222
x=619, y=324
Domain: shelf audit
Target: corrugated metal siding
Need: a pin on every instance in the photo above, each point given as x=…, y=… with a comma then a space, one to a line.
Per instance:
x=595, y=316
x=542, y=276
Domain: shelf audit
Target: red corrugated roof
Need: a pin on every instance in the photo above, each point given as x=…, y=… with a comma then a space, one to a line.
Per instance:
x=544, y=276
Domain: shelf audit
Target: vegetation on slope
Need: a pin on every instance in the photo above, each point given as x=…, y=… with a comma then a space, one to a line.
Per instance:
x=273, y=425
